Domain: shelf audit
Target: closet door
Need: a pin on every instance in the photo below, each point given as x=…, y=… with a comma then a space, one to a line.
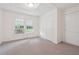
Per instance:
x=72, y=28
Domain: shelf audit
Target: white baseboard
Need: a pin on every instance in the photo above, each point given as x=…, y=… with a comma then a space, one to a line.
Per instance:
x=71, y=43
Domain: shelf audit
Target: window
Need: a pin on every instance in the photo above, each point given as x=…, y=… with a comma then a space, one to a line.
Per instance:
x=23, y=26
x=19, y=26
x=28, y=24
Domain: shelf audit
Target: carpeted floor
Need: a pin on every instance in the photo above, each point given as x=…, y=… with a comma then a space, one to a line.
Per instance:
x=37, y=46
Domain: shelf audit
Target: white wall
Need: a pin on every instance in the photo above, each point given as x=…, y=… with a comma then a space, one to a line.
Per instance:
x=72, y=26
x=51, y=25
x=0, y=26
x=48, y=26
x=60, y=25
x=8, y=23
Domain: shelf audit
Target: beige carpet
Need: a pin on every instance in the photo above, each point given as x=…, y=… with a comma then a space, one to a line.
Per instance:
x=37, y=46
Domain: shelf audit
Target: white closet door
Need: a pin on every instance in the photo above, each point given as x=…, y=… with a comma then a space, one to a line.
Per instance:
x=72, y=28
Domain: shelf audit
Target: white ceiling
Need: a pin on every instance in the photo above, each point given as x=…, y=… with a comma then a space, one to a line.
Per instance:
x=64, y=6
x=43, y=7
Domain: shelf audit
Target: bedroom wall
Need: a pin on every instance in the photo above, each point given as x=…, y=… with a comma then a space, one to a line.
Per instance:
x=48, y=25
x=51, y=25
x=0, y=25
x=60, y=25
x=9, y=18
